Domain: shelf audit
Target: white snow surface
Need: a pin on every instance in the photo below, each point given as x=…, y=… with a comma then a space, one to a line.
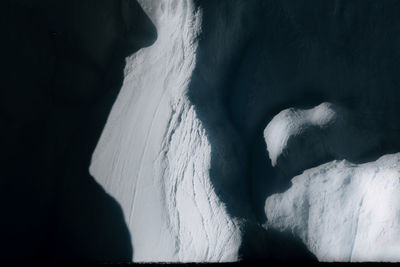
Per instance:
x=154, y=157
x=343, y=211
x=292, y=122
x=298, y=139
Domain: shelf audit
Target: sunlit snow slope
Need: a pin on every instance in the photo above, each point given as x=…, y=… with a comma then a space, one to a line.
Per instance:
x=154, y=156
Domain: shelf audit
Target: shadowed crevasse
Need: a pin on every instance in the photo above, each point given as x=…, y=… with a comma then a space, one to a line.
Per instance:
x=63, y=63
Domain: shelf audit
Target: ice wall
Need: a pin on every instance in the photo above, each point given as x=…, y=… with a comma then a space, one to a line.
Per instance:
x=183, y=150
x=343, y=211
x=154, y=155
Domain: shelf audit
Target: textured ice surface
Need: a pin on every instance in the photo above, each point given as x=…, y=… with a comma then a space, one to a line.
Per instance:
x=154, y=156
x=343, y=211
x=184, y=139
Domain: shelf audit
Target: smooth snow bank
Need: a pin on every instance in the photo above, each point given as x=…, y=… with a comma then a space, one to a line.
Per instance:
x=343, y=211
x=154, y=155
x=299, y=139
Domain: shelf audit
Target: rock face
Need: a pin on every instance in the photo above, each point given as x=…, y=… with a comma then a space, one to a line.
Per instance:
x=343, y=211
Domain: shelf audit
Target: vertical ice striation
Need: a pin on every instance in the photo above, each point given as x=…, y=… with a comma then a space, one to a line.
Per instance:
x=154, y=156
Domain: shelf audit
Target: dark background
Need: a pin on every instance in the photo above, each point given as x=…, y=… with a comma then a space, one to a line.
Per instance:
x=62, y=65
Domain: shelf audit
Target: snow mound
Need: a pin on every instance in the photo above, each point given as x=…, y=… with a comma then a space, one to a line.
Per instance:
x=343, y=211
x=298, y=139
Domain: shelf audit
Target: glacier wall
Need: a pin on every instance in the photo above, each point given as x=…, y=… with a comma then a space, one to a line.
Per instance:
x=170, y=154
x=183, y=149
x=343, y=211
x=154, y=157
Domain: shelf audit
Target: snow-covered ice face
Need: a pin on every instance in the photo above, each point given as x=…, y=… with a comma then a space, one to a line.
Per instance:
x=298, y=139
x=253, y=61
